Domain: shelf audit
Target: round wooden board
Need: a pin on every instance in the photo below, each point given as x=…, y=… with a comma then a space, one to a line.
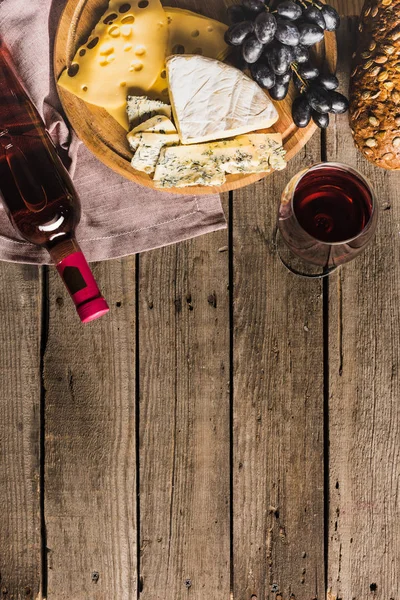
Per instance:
x=107, y=139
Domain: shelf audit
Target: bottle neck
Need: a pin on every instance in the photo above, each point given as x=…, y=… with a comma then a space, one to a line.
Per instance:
x=78, y=279
x=63, y=249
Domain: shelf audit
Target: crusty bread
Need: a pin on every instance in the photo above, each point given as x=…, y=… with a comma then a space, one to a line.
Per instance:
x=375, y=84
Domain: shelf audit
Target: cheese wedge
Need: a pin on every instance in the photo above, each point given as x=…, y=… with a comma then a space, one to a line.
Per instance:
x=141, y=108
x=125, y=51
x=157, y=124
x=149, y=148
x=211, y=100
x=255, y=153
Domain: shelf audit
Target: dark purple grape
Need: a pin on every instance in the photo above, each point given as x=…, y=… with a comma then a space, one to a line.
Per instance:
x=263, y=75
x=287, y=33
x=301, y=111
x=310, y=34
x=314, y=15
x=319, y=99
x=265, y=27
x=252, y=49
x=237, y=58
x=279, y=57
x=236, y=34
x=289, y=10
x=236, y=14
x=308, y=71
x=329, y=82
x=280, y=90
x=331, y=18
x=301, y=54
x=339, y=103
x=285, y=78
x=253, y=7
x=320, y=119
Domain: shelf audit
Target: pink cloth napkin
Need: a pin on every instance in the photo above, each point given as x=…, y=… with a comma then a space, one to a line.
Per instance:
x=118, y=217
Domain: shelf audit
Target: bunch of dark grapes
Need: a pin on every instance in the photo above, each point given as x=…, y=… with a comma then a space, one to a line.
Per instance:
x=274, y=39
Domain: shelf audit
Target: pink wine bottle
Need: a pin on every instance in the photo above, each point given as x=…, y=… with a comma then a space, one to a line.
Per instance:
x=37, y=192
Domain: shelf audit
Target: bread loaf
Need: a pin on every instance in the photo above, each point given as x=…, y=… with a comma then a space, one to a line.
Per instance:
x=375, y=84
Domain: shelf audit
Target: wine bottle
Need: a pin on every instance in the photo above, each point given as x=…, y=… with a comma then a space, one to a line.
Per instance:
x=37, y=192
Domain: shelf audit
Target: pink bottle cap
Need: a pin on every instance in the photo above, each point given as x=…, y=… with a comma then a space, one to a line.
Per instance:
x=94, y=309
x=78, y=278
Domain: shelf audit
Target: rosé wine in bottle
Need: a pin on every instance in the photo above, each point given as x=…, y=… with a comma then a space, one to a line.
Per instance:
x=37, y=192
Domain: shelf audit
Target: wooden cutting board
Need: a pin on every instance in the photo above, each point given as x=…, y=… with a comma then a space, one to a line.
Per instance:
x=107, y=139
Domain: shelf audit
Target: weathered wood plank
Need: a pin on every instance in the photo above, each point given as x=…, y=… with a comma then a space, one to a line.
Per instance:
x=184, y=421
x=364, y=552
x=347, y=7
x=278, y=501
x=90, y=496
x=20, y=305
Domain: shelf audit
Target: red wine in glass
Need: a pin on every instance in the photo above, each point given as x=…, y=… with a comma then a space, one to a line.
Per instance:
x=332, y=205
x=327, y=214
x=37, y=192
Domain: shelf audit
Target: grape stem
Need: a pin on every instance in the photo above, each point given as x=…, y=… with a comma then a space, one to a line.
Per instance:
x=295, y=70
x=307, y=3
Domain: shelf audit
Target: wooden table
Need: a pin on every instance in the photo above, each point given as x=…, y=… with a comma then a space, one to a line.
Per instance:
x=230, y=431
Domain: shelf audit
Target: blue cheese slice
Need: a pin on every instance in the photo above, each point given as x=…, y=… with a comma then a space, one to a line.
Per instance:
x=178, y=171
x=149, y=148
x=212, y=100
x=141, y=108
x=271, y=154
x=159, y=124
x=207, y=164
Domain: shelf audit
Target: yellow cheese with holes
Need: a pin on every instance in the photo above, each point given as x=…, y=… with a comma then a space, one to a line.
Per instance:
x=190, y=33
x=124, y=53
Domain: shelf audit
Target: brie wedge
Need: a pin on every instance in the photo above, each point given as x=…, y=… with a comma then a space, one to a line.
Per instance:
x=211, y=100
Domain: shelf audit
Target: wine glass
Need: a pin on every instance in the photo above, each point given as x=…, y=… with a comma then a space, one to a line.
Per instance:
x=327, y=216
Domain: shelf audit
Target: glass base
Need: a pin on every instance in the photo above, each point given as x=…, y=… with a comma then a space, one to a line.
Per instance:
x=297, y=265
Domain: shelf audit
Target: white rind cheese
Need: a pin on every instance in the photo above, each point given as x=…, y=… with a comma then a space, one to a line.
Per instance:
x=212, y=100
x=206, y=164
